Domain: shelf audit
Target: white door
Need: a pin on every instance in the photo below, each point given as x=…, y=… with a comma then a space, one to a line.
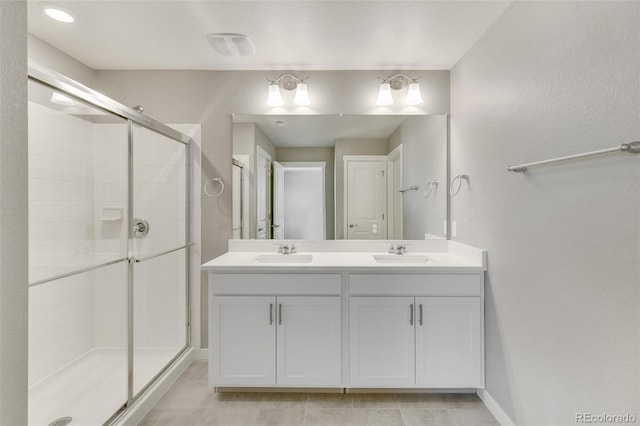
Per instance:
x=449, y=342
x=243, y=341
x=278, y=201
x=263, y=194
x=382, y=351
x=309, y=341
x=366, y=200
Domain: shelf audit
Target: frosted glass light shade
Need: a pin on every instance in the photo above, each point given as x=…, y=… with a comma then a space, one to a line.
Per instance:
x=302, y=95
x=414, y=97
x=274, y=98
x=384, y=95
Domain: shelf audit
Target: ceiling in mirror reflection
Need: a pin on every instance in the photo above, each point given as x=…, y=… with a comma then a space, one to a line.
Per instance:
x=322, y=130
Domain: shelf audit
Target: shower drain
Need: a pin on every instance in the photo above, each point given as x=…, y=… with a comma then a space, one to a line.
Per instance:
x=62, y=421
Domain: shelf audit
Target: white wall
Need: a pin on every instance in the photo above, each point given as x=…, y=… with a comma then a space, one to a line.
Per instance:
x=424, y=159
x=44, y=53
x=13, y=205
x=562, y=295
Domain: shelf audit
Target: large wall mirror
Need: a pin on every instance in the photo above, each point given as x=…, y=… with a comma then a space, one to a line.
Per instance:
x=315, y=177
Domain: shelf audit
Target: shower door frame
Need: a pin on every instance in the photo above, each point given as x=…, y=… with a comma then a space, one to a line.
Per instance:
x=72, y=88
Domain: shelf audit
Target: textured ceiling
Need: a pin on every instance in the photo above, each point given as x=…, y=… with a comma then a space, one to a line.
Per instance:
x=302, y=35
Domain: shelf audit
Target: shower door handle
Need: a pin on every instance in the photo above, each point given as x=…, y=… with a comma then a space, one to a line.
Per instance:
x=140, y=227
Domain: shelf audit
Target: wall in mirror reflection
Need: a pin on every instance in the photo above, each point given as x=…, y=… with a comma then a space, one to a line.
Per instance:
x=339, y=176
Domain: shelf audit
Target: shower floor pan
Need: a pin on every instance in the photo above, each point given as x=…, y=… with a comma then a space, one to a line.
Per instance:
x=93, y=387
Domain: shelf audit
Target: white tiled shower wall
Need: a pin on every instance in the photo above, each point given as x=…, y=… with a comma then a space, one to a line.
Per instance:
x=77, y=168
x=62, y=237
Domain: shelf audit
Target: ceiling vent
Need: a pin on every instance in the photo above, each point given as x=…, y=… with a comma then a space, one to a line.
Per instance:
x=230, y=44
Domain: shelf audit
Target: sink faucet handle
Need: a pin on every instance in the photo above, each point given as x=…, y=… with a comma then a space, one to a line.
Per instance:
x=293, y=248
x=401, y=248
x=392, y=248
x=281, y=248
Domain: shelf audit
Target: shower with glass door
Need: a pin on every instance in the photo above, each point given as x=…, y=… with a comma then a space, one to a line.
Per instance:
x=108, y=252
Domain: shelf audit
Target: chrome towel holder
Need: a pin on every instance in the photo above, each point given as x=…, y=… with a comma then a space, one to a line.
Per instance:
x=430, y=187
x=458, y=179
x=411, y=188
x=631, y=148
x=217, y=180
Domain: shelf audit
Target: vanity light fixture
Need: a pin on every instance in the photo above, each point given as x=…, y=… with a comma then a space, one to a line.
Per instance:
x=397, y=82
x=57, y=13
x=288, y=82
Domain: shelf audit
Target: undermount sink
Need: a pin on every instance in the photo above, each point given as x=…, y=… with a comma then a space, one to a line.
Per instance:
x=401, y=258
x=284, y=258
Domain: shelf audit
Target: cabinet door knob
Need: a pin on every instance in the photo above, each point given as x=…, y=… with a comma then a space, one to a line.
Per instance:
x=411, y=314
x=351, y=225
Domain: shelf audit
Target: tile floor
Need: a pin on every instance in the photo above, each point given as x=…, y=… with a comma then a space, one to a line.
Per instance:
x=191, y=403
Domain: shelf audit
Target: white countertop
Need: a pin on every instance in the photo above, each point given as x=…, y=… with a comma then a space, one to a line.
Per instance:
x=340, y=261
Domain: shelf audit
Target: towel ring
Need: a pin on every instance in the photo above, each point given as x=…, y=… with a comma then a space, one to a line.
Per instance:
x=459, y=179
x=215, y=180
x=431, y=186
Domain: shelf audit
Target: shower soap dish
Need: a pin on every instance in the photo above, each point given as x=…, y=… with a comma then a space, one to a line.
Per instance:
x=111, y=214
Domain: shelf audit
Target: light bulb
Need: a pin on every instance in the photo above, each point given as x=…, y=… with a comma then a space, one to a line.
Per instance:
x=384, y=94
x=413, y=96
x=274, y=98
x=302, y=95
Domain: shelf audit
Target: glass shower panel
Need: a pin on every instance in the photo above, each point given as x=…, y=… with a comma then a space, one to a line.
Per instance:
x=78, y=192
x=77, y=185
x=159, y=280
x=159, y=192
x=159, y=315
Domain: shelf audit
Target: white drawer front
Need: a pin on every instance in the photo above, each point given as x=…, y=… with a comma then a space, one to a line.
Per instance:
x=275, y=284
x=415, y=284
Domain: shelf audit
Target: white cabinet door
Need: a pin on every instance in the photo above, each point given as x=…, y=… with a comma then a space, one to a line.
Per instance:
x=449, y=342
x=243, y=340
x=309, y=341
x=382, y=351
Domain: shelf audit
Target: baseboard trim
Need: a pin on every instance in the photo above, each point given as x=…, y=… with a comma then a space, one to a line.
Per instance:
x=201, y=353
x=495, y=408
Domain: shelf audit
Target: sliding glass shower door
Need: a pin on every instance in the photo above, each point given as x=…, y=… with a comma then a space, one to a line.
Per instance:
x=108, y=252
x=159, y=247
x=78, y=210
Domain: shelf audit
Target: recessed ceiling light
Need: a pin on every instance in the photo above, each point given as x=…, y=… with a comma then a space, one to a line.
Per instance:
x=58, y=13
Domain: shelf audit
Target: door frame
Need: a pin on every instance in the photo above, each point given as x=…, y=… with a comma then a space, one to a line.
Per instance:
x=393, y=158
x=260, y=152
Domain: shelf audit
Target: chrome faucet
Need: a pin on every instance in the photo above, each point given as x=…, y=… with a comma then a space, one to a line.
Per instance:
x=397, y=248
x=287, y=248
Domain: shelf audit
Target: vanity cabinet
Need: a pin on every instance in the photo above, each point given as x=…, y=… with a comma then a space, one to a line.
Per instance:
x=358, y=329
x=279, y=339
x=415, y=331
